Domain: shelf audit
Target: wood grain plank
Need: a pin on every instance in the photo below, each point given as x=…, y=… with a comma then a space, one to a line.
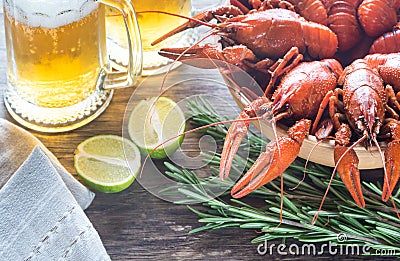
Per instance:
x=134, y=224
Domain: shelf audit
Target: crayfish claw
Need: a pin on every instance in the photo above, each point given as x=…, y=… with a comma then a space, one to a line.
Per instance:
x=346, y=161
x=278, y=155
x=254, y=178
x=197, y=56
x=392, y=169
x=269, y=165
x=232, y=142
x=236, y=132
x=349, y=173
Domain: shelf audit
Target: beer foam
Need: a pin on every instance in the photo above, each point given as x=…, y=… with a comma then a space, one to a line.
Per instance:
x=50, y=14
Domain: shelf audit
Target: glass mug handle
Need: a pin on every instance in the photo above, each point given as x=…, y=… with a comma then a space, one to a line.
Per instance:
x=127, y=75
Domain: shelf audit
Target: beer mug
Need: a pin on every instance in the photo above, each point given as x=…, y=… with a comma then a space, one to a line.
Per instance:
x=59, y=77
x=152, y=26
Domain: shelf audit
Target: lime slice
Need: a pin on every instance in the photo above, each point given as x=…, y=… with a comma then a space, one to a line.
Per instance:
x=101, y=162
x=153, y=122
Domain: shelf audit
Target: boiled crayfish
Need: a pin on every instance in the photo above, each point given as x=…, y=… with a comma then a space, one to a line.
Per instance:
x=353, y=21
x=267, y=34
x=365, y=103
x=363, y=110
x=302, y=95
x=366, y=107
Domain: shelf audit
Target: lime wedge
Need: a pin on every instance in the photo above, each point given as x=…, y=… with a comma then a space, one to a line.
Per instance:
x=101, y=162
x=153, y=122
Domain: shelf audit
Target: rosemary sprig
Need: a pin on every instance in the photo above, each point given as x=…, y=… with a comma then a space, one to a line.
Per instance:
x=376, y=225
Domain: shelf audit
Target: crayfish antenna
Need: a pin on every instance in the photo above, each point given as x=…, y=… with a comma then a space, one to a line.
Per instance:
x=188, y=132
x=395, y=208
x=179, y=28
x=177, y=59
x=322, y=134
x=248, y=94
x=305, y=165
x=172, y=65
x=333, y=174
x=386, y=179
x=199, y=19
x=280, y=171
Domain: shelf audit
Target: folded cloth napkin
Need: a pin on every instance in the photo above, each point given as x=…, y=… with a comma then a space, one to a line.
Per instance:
x=40, y=217
x=15, y=146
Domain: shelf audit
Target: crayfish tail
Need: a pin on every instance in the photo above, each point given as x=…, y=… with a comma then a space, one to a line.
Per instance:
x=321, y=41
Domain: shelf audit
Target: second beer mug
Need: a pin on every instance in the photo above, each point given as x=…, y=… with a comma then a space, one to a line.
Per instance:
x=58, y=75
x=152, y=26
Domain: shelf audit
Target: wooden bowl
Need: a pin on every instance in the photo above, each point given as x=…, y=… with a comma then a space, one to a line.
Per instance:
x=323, y=153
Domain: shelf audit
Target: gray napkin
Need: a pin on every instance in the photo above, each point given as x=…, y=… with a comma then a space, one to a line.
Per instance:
x=15, y=146
x=39, y=216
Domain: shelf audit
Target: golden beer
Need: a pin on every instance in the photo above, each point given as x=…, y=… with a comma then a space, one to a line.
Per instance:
x=59, y=76
x=152, y=25
x=56, y=66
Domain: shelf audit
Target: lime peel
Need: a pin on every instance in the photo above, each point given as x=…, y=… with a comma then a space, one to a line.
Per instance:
x=105, y=173
x=155, y=121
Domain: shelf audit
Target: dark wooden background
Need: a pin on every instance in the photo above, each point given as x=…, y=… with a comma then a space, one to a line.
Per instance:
x=134, y=224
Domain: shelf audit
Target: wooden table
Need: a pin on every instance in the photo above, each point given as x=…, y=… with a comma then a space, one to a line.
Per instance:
x=134, y=224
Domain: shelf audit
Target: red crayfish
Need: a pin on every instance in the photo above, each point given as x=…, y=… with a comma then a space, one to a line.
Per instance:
x=378, y=16
x=254, y=32
x=389, y=42
x=311, y=10
x=300, y=96
x=339, y=16
x=368, y=108
x=351, y=20
x=269, y=33
x=362, y=111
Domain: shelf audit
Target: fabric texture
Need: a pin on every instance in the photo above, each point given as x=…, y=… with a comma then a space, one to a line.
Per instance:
x=15, y=146
x=41, y=204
